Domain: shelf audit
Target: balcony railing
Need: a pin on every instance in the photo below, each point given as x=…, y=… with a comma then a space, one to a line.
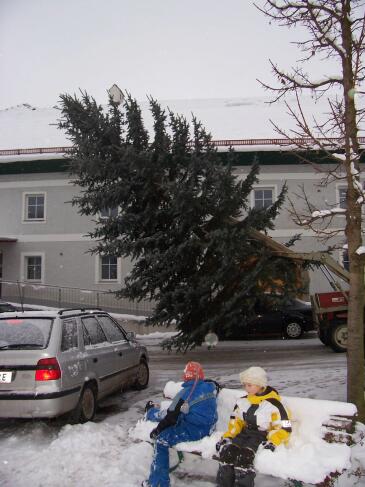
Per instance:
x=65, y=297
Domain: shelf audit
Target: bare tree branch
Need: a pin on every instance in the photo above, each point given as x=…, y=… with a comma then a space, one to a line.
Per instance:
x=335, y=29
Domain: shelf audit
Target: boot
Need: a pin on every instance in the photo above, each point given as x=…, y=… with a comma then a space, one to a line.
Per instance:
x=232, y=454
x=244, y=477
x=225, y=476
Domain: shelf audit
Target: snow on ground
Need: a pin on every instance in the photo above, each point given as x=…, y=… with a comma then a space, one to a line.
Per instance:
x=41, y=453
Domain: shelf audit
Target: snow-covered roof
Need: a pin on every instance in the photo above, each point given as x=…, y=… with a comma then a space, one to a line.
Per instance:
x=24, y=126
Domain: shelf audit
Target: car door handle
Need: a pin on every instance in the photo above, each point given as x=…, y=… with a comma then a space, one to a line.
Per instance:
x=120, y=354
x=95, y=360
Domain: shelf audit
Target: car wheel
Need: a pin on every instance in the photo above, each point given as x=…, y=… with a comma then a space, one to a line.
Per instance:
x=338, y=337
x=86, y=407
x=143, y=376
x=323, y=336
x=293, y=330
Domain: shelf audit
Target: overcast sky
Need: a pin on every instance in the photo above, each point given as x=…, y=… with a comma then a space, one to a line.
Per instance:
x=172, y=49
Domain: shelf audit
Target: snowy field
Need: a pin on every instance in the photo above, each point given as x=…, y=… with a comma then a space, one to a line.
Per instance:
x=104, y=453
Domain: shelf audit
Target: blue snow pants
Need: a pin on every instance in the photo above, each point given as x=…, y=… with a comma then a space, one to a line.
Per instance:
x=159, y=474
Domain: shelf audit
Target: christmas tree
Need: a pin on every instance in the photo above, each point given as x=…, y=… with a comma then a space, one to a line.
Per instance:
x=184, y=218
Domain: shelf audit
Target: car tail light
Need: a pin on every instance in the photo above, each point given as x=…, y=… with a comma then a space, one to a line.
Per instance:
x=14, y=322
x=48, y=369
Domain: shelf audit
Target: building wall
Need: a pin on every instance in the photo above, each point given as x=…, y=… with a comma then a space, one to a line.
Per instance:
x=61, y=238
x=296, y=178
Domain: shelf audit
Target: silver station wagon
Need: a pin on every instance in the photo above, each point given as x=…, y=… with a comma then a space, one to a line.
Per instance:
x=57, y=362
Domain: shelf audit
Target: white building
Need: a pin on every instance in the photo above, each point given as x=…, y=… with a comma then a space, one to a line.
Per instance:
x=43, y=240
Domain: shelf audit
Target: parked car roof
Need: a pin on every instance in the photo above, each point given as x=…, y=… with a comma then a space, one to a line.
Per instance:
x=50, y=313
x=25, y=314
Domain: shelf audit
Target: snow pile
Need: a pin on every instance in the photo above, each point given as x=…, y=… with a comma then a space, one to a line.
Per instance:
x=84, y=455
x=307, y=457
x=358, y=450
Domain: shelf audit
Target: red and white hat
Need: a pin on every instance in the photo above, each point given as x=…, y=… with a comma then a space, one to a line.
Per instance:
x=193, y=371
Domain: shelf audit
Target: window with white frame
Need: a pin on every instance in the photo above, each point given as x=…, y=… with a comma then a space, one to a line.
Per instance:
x=263, y=198
x=108, y=268
x=33, y=268
x=342, y=197
x=108, y=213
x=34, y=206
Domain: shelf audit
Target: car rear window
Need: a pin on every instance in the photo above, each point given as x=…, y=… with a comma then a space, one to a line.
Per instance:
x=25, y=333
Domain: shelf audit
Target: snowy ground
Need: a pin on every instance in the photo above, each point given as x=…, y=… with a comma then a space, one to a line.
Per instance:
x=40, y=453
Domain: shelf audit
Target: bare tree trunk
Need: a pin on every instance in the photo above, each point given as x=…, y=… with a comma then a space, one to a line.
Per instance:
x=355, y=344
x=355, y=319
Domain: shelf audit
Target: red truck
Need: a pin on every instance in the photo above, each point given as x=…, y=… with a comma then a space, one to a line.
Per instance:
x=330, y=308
x=330, y=316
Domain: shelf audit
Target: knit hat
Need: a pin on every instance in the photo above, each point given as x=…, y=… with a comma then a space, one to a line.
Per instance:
x=254, y=375
x=193, y=370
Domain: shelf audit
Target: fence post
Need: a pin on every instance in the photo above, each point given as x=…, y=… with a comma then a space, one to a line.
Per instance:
x=59, y=297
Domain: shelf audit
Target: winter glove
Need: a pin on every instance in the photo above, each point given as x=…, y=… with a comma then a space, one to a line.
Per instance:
x=222, y=442
x=154, y=434
x=149, y=405
x=268, y=445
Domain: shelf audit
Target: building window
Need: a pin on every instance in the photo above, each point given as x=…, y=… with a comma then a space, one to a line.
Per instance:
x=35, y=207
x=33, y=268
x=109, y=268
x=108, y=213
x=342, y=197
x=263, y=198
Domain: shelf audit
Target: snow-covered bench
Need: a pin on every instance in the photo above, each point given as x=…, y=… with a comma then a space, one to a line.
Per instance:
x=318, y=447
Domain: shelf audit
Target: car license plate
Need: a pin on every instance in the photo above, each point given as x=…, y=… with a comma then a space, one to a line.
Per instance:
x=5, y=377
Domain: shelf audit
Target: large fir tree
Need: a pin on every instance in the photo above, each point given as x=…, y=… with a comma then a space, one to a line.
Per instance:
x=184, y=219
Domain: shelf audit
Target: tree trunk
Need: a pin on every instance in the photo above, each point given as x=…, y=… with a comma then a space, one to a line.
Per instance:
x=355, y=344
x=353, y=231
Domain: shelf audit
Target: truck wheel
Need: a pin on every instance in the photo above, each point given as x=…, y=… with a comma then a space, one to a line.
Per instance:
x=338, y=337
x=143, y=376
x=323, y=336
x=293, y=329
x=86, y=407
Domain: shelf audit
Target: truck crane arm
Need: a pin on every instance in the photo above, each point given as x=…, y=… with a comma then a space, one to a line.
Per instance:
x=317, y=257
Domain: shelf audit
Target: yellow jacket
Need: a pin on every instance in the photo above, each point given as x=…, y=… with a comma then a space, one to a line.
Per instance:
x=263, y=412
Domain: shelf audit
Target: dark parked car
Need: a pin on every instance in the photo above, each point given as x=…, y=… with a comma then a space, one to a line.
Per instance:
x=275, y=317
x=5, y=307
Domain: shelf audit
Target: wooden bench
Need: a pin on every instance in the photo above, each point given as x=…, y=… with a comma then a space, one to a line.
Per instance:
x=318, y=450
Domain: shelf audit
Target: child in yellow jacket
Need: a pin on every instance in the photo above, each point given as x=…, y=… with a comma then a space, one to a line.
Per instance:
x=258, y=418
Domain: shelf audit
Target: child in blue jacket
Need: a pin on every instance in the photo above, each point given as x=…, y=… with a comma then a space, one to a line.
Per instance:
x=191, y=416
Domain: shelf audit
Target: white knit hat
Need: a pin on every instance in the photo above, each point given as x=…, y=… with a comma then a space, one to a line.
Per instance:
x=254, y=375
